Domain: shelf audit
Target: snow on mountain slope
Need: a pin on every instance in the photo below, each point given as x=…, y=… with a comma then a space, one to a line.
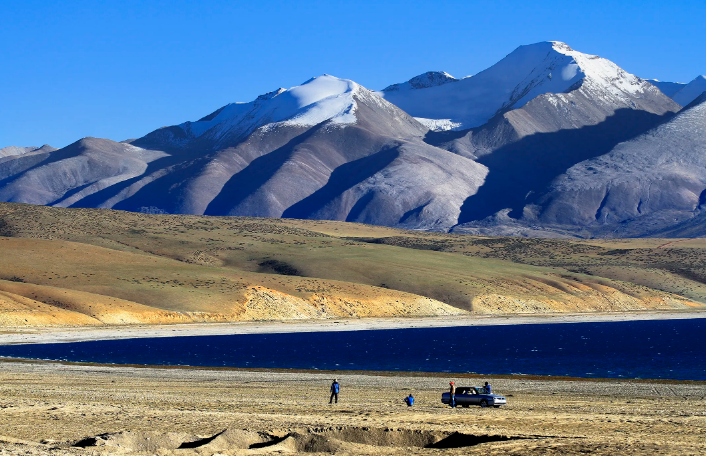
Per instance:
x=561, y=112
x=289, y=169
x=333, y=149
x=667, y=88
x=691, y=91
x=529, y=71
x=423, y=81
x=318, y=99
x=328, y=148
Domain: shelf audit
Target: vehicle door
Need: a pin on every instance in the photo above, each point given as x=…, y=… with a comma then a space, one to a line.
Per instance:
x=473, y=397
x=462, y=396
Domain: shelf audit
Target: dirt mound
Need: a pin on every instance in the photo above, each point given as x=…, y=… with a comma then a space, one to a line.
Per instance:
x=136, y=441
x=232, y=439
x=382, y=436
x=313, y=440
x=153, y=441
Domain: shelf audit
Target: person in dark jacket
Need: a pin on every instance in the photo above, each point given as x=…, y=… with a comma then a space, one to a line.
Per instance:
x=335, y=388
x=487, y=388
x=452, y=394
x=409, y=400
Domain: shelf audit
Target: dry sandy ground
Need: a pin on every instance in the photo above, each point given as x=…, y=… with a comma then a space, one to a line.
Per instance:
x=45, y=408
x=32, y=335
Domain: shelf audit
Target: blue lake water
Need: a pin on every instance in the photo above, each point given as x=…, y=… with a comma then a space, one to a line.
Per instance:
x=666, y=349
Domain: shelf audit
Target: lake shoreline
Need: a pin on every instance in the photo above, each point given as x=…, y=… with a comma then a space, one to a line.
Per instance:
x=46, y=335
x=14, y=362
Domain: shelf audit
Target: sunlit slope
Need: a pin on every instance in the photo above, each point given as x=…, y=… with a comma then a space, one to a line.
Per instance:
x=86, y=284
x=89, y=266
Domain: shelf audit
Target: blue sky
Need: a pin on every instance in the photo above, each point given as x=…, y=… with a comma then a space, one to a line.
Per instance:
x=120, y=69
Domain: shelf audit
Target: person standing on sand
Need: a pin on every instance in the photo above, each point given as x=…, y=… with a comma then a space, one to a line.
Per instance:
x=335, y=388
x=452, y=394
x=487, y=388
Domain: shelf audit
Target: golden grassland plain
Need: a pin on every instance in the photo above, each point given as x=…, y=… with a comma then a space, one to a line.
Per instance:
x=82, y=267
x=59, y=409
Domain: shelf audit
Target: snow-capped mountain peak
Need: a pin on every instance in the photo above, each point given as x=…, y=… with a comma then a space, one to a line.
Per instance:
x=525, y=73
x=319, y=99
x=270, y=95
x=423, y=81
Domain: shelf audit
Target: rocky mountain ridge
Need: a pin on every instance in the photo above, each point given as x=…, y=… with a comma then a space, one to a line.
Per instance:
x=524, y=74
x=651, y=185
x=333, y=149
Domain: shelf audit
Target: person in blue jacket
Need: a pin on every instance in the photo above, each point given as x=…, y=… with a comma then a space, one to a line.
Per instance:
x=335, y=388
x=487, y=388
x=409, y=400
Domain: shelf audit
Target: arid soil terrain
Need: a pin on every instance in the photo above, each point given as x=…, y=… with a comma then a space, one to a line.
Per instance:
x=92, y=267
x=49, y=408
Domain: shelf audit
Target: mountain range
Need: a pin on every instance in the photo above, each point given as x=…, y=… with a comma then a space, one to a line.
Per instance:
x=547, y=142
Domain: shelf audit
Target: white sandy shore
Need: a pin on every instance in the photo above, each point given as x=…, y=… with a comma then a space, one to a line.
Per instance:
x=43, y=335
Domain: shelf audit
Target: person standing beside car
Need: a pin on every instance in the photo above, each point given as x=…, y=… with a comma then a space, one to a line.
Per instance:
x=452, y=394
x=335, y=388
x=487, y=388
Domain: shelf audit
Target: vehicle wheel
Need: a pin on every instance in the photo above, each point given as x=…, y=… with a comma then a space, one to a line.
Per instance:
x=483, y=403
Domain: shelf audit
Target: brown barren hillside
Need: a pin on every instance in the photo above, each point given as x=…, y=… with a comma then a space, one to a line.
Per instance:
x=102, y=267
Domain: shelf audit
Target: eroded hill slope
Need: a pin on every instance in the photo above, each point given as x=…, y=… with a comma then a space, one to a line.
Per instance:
x=93, y=267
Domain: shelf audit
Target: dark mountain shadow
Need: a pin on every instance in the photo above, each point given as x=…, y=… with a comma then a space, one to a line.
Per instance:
x=518, y=172
x=155, y=193
x=71, y=193
x=187, y=156
x=183, y=159
x=169, y=139
x=360, y=206
x=437, y=138
x=97, y=198
x=343, y=178
x=412, y=213
x=255, y=175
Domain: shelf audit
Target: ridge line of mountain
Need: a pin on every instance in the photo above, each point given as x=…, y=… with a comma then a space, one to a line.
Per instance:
x=434, y=153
